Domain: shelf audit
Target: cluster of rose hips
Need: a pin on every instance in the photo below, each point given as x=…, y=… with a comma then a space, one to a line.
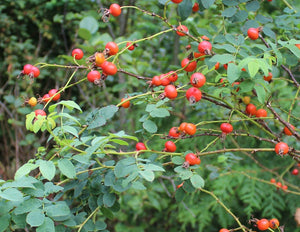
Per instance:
x=30, y=70
x=279, y=184
x=265, y=224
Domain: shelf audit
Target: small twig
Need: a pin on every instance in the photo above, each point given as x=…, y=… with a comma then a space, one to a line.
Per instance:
x=283, y=121
x=225, y=207
x=134, y=75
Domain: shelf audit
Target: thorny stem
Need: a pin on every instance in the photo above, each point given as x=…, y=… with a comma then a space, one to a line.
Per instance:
x=283, y=121
x=225, y=207
x=88, y=218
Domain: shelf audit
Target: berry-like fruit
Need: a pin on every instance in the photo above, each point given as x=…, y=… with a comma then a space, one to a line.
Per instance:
x=180, y=185
x=27, y=69
x=273, y=181
x=295, y=172
x=246, y=100
x=190, y=128
x=156, y=81
x=197, y=80
x=130, y=46
x=217, y=65
x=284, y=187
x=164, y=79
x=182, y=127
x=251, y=109
x=204, y=47
x=263, y=224
x=297, y=45
x=170, y=146
x=223, y=230
x=195, y=7
x=176, y=1
x=32, y=101
x=182, y=30
x=261, y=113
x=279, y=185
x=188, y=65
x=109, y=68
x=226, y=128
x=53, y=93
x=274, y=223
x=46, y=98
x=192, y=159
x=125, y=104
x=112, y=48
x=115, y=10
x=172, y=76
x=269, y=77
x=281, y=148
x=93, y=75
x=174, y=132
x=99, y=59
x=287, y=131
x=170, y=91
x=253, y=33
x=40, y=112
x=77, y=53
x=35, y=72
x=193, y=95
x=140, y=146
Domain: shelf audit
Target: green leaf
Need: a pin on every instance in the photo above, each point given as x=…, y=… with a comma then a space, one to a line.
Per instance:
x=84, y=33
x=70, y=129
x=29, y=121
x=108, y=111
x=233, y=72
x=147, y=175
x=109, y=199
x=223, y=58
x=138, y=186
x=150, y=126
x=59, y=212
x=28, y=205
x=100, y=225
x=197, y=181
x=295, y=50
x=178, y=160
x=252, y=5
x=69, y=104
x=153, y=167
x=51, y=188
x=4, y=222
x=159, y=113
x=253, y=68
x=120, y=142
x=230, y=2
x=261, y=93
x=47, y=226
x=185, y=9
x=35, y=218
x=12, y=194
x=277, y=53
x=207, y=3
x=47, y=168
x=67, y=168
x=185, y=174
x=229, y=12
x=89, y=23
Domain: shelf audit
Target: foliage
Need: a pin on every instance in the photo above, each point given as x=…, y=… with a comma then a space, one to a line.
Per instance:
x=86, y=173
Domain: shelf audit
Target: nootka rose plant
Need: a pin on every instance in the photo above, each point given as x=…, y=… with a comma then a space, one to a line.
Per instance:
x=202, y=95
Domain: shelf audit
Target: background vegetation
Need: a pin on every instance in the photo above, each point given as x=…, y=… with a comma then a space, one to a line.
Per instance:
x=47, y=31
